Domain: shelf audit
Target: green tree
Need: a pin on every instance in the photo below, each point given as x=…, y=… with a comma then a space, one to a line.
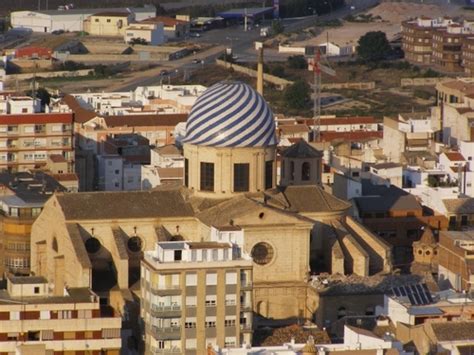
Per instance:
x=297, y=62
x=42, y=94
x=297, y=95
x=373, y=46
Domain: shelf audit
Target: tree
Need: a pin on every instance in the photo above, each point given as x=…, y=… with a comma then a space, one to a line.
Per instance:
x=42, y=94
x=297, y=62
x=373, y=46
x=297, y=95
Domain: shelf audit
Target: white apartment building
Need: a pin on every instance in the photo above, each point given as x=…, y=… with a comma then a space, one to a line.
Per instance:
x=195, y=294
x=143, y=100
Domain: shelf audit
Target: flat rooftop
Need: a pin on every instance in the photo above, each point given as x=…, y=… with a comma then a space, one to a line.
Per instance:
x=75, y=295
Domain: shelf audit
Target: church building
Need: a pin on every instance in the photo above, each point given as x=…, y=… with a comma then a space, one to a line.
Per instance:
x=290, y=230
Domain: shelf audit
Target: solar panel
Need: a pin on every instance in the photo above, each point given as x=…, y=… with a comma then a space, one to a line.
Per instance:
x=418, y=294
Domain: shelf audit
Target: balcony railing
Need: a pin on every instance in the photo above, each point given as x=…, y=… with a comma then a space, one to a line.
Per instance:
x=156, y=351
x=166, y=311
x=166, y=333
x=166, y=291
x=246, y=284
x=246, y=307
x=246, y=327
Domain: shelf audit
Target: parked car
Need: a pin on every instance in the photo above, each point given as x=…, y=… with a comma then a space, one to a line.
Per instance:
x=197, y=61
x=194, y=34
x=57, y=32
x=164, y=72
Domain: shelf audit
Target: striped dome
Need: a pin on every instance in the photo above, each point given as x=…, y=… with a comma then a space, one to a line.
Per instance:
x=230, y=114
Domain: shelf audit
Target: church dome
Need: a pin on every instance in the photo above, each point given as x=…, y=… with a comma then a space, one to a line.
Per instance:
x=230, y=114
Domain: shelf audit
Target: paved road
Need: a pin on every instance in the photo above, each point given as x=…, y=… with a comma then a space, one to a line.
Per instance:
x=241, y=42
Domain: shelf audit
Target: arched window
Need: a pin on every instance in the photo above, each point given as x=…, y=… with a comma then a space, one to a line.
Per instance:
x=292, y=170
x=341, y=312
x=305, y=171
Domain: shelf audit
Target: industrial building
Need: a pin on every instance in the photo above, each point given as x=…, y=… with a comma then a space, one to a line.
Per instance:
x=69, y=20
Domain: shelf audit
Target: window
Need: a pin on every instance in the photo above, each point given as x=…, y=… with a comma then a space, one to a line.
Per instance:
x=207, y=176
x=96, y=20
x=36, y=290
x=231, y=278
x=464, y=220
x=190, y=322
x=210, y=322
x=15, y=315
x=178, y=255
x=241, y=177
x=117, y=171
x=47, y=334
x=35, y=211
x=191, y=344
x=211, y=300
x=211, y=279
x=191, y=280
x=305, y=171
x=186, y=172
x=230, y=341
x=215, y=254
x=268, y=174
x=452, y=221
x=230, y=300
x=108, y=20
x=191, y=301
x=292, y=170
x=229, y=321
x=14, y=212
x=262, y=253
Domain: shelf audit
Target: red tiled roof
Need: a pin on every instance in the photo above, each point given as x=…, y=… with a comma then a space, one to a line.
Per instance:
x=34, y=118
x=293, y=128
x=330, y=136
x=347, y=120
x=29, y=51
x=65, y=177
x=455, y=156
x=167, y=21
x=145, y=120
x=81, y=115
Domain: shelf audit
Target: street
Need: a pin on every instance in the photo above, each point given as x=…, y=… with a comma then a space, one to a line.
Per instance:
x=241, y=42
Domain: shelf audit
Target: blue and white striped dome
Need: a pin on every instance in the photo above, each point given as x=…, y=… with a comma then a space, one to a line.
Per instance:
x=230, y=114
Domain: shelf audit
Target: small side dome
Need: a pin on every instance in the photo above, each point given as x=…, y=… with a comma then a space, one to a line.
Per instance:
x=230, y=114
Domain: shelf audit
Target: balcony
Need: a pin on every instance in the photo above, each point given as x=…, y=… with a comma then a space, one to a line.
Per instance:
x=166, y=333
x=245, y=307
x=166, y=291
x=165, y=311
x=246, y=285
x=156, y=351
x=246, y=328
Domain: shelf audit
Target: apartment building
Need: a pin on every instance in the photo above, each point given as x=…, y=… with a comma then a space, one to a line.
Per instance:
x=406, y=136
x=195, y=294
x=447, y=45
x=34, y=321
x=28, y=137
x=442, y=42
x=417, y=36
x=22, y=196
x=456, y=259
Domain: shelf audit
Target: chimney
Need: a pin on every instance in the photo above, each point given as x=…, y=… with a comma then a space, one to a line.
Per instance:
x=259, y=47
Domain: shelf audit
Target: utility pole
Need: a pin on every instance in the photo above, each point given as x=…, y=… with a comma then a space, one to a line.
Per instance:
x=316, y=96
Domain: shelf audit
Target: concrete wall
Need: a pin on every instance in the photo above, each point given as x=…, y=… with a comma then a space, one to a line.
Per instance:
x=421, y=81
x=281, y=83
x=50, y=74
x=369, y=85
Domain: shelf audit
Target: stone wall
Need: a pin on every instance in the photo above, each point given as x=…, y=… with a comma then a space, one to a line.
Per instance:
x=379, y=251
x=279, y=82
